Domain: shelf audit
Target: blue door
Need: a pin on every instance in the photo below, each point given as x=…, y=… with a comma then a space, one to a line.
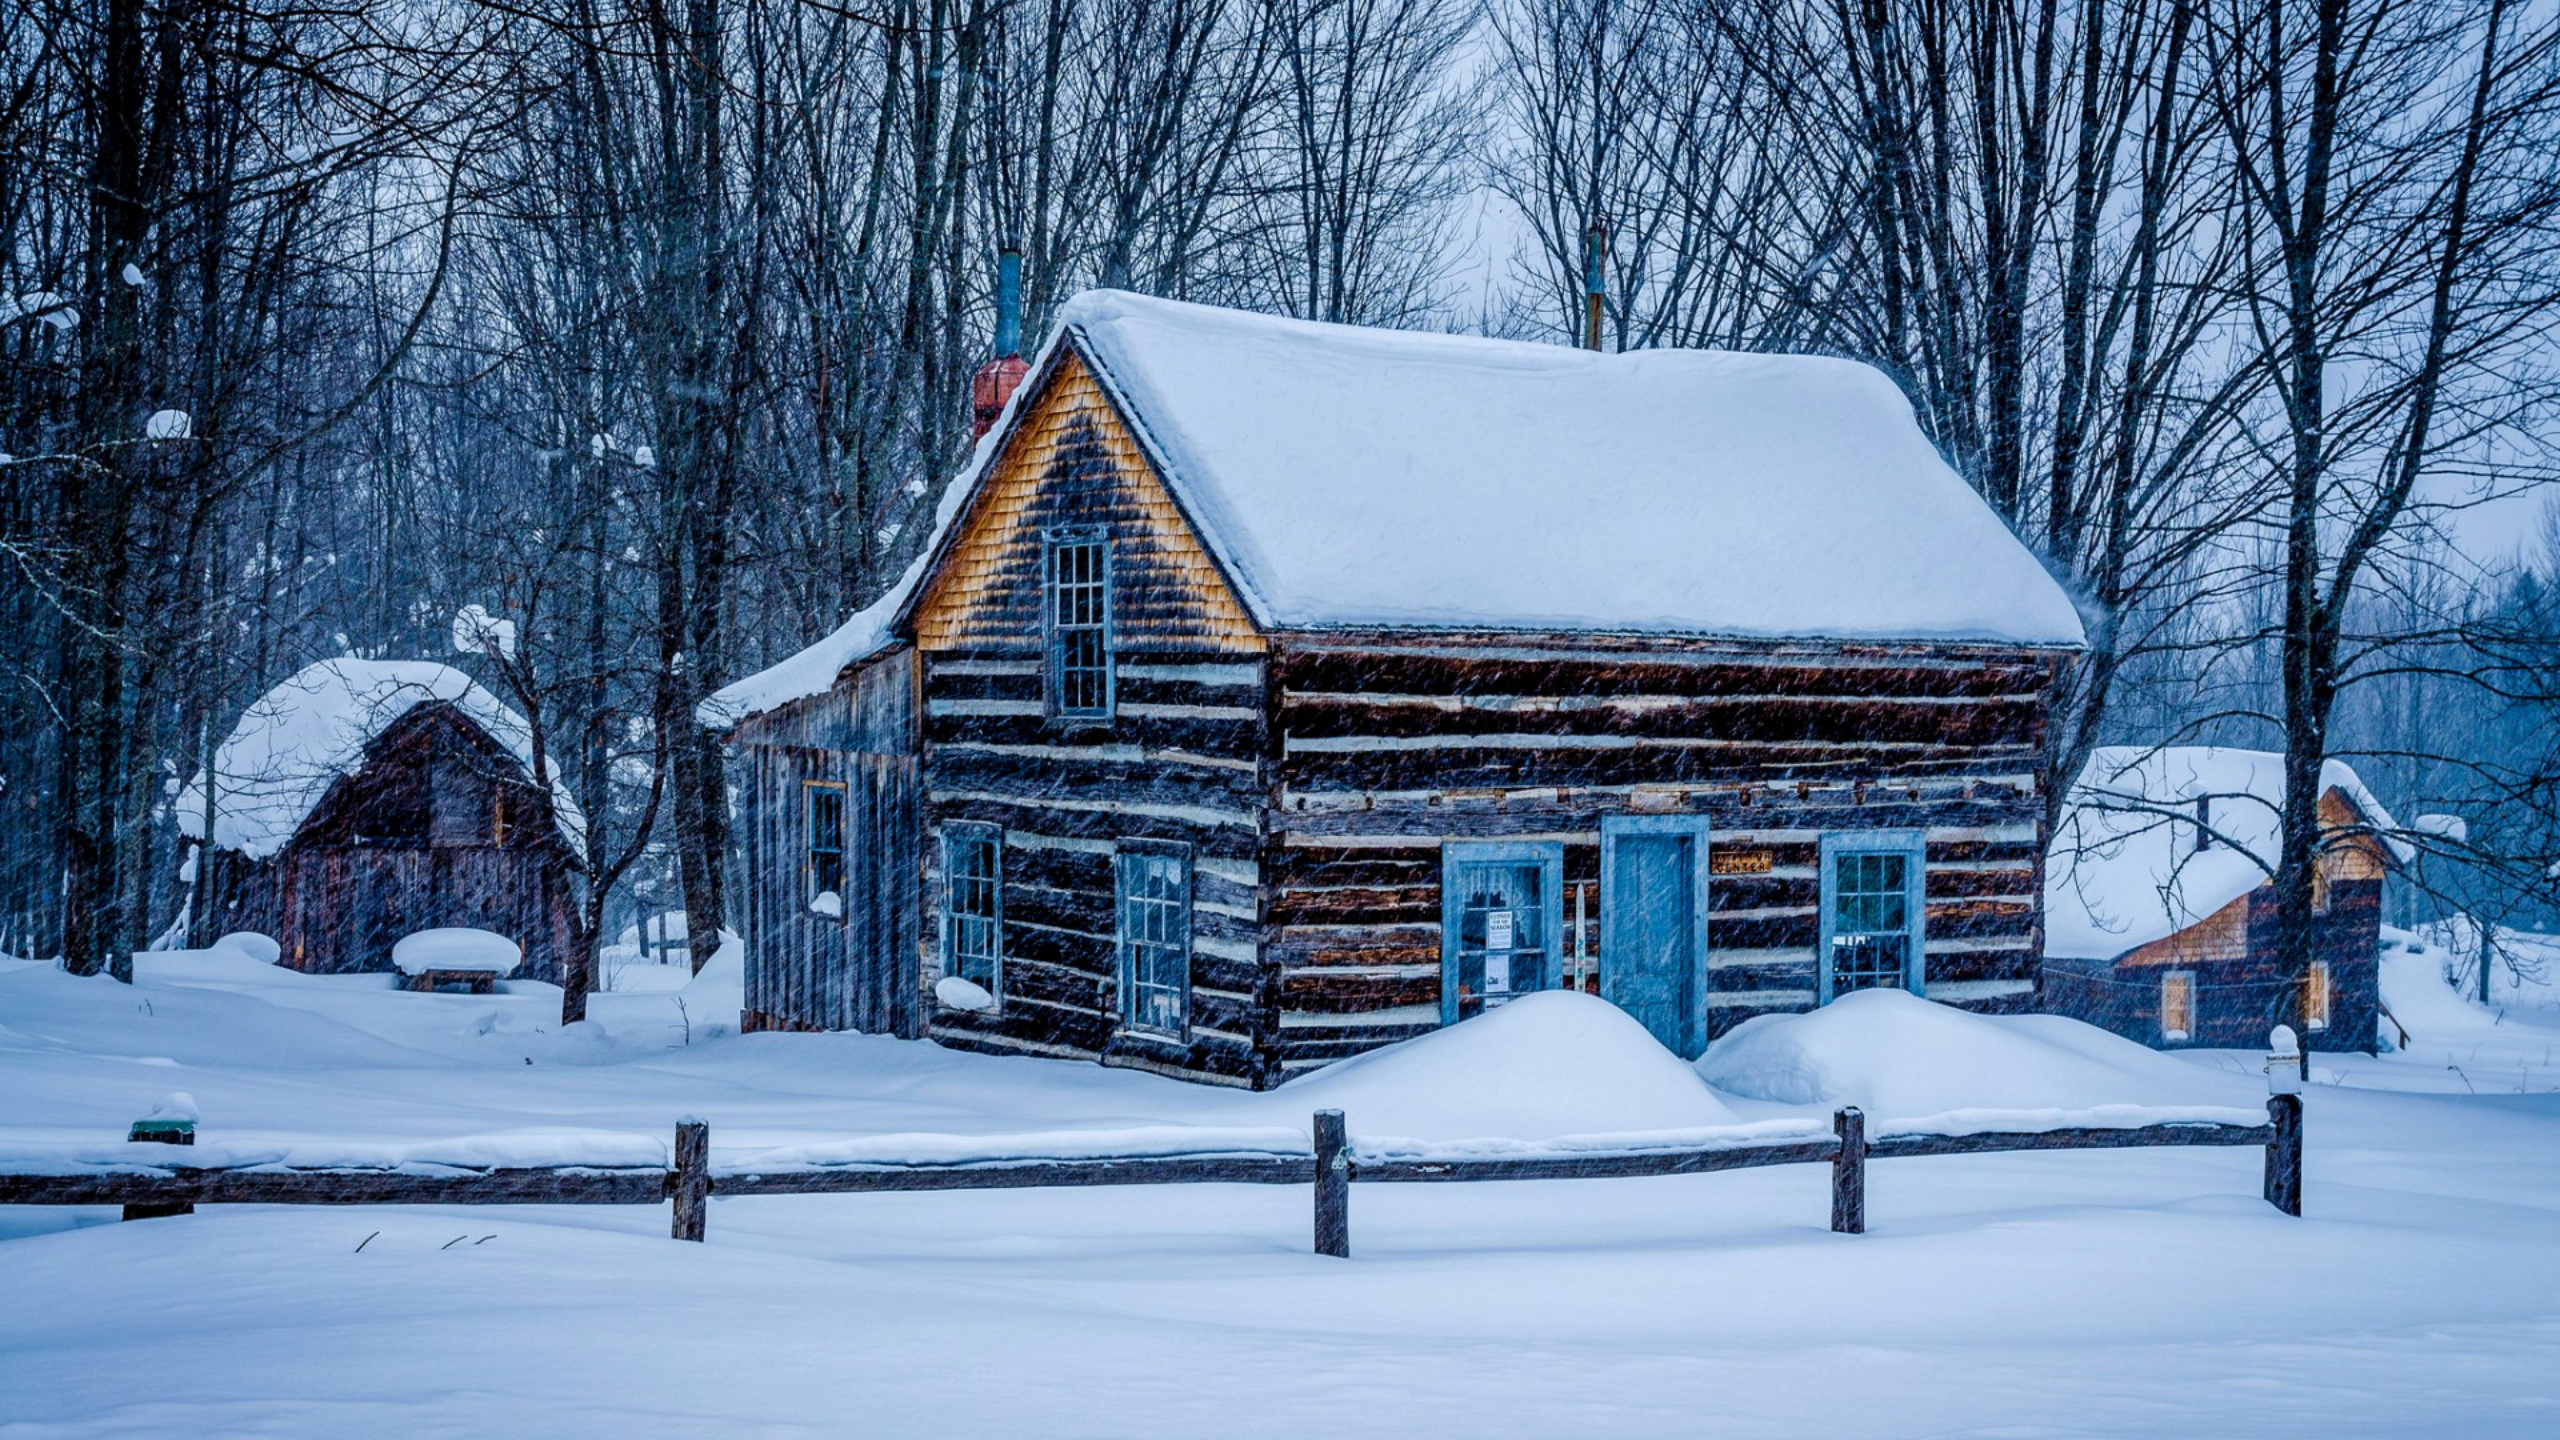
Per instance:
x=1653, y=921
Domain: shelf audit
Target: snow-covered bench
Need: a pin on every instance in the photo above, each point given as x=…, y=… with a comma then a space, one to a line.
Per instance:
x=455, y=955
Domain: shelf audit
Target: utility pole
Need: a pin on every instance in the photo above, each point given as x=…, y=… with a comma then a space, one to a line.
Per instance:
x=1595, y=283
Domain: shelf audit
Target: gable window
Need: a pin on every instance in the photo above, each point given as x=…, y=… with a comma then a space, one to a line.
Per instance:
x=825, y=804
x=1076, y=623
x=1871, y=912
x=1155, y=936
x=2178, y=1006
x=973, y=915
x=2316, y=996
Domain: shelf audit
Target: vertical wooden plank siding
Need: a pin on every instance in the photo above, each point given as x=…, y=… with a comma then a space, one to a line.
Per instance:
x=407, y=841
x=855, y=970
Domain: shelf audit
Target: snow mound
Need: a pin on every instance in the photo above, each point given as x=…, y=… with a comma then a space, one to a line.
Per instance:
x=962, y=994
x=1542, y=1067
x=456, y=947
x=1906, y=1059
x=243, y=957
x=720, y=987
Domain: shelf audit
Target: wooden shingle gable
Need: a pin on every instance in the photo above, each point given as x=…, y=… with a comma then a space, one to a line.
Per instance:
x=1070, y=459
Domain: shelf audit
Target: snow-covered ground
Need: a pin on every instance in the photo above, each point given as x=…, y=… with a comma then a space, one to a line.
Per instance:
x=2092, y=1294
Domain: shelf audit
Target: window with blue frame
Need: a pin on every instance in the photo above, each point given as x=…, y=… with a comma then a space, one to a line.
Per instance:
x=973, y=912
x=1076, y=623
x=1500, y=923
x=1871, y=912
x=1155, y=936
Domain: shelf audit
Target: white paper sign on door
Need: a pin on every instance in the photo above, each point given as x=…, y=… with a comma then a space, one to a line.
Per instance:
x=1497, y=929
x=1497, y=972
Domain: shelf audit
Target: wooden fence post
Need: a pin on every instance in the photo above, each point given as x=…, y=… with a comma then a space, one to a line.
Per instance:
x=171, y=1122
x=1333, y=1185
x=691, y=1183
x=1849, y=1172
x=2284, y=1153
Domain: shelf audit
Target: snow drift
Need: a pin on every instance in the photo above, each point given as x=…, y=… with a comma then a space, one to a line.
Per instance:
x=1917, y=1064
x=1542, y=1067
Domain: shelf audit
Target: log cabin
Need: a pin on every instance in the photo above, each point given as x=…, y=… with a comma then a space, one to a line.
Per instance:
x=1271, y=691
x=363, y=800
x=2162, y=913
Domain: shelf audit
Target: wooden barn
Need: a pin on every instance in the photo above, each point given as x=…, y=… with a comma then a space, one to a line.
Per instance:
x=2163, y=917
x=1271, y=691
x=364, y=800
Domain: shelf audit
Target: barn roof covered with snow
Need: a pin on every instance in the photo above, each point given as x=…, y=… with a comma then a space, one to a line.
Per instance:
x=301, y=737
x=1346, y=477
x=2126, y=868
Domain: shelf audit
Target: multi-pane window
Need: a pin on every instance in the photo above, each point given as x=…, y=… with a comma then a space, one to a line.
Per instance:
x=1078, y=625
x=1870, y=913
x=825, y=803
x=2316, y=996
x=2178, y=1005
x=1155, y=938
x=973, y=919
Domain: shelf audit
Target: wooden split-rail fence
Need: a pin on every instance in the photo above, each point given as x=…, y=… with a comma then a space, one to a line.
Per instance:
x=1331, y=1166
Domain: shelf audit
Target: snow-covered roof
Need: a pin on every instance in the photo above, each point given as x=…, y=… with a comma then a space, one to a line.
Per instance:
x=1353, y=477
x=811, y=671
x=2124, y=869
x=300, y=737
x=1346, y=476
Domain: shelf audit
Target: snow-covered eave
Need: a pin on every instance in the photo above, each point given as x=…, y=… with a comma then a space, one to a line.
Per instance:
x=2376, y=821
x=1336, y=629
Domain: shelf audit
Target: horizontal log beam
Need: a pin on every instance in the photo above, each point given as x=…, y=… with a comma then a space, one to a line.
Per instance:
x=2071, y=1138
x=340, y=1187
x=1599, y=1167
x=1163, y=1170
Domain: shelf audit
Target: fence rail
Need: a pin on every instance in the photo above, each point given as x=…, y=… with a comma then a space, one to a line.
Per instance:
x=1332, y=1166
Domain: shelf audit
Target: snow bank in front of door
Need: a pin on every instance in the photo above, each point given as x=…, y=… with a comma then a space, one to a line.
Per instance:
x=1914, y=1064
x=1541, y=1068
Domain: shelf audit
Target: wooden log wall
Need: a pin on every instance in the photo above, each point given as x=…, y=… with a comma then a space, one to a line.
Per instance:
x=1179, y=764
x=1181, y=760
x=1386, y=748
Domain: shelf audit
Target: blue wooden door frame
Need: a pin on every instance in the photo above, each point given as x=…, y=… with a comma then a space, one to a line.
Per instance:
x=1547, y=855
x=1614, y=828
x=1913, y=846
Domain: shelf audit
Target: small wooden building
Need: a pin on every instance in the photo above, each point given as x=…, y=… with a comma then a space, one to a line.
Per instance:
x=364, y=800
x=2163, y=925
x=1271, y=691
